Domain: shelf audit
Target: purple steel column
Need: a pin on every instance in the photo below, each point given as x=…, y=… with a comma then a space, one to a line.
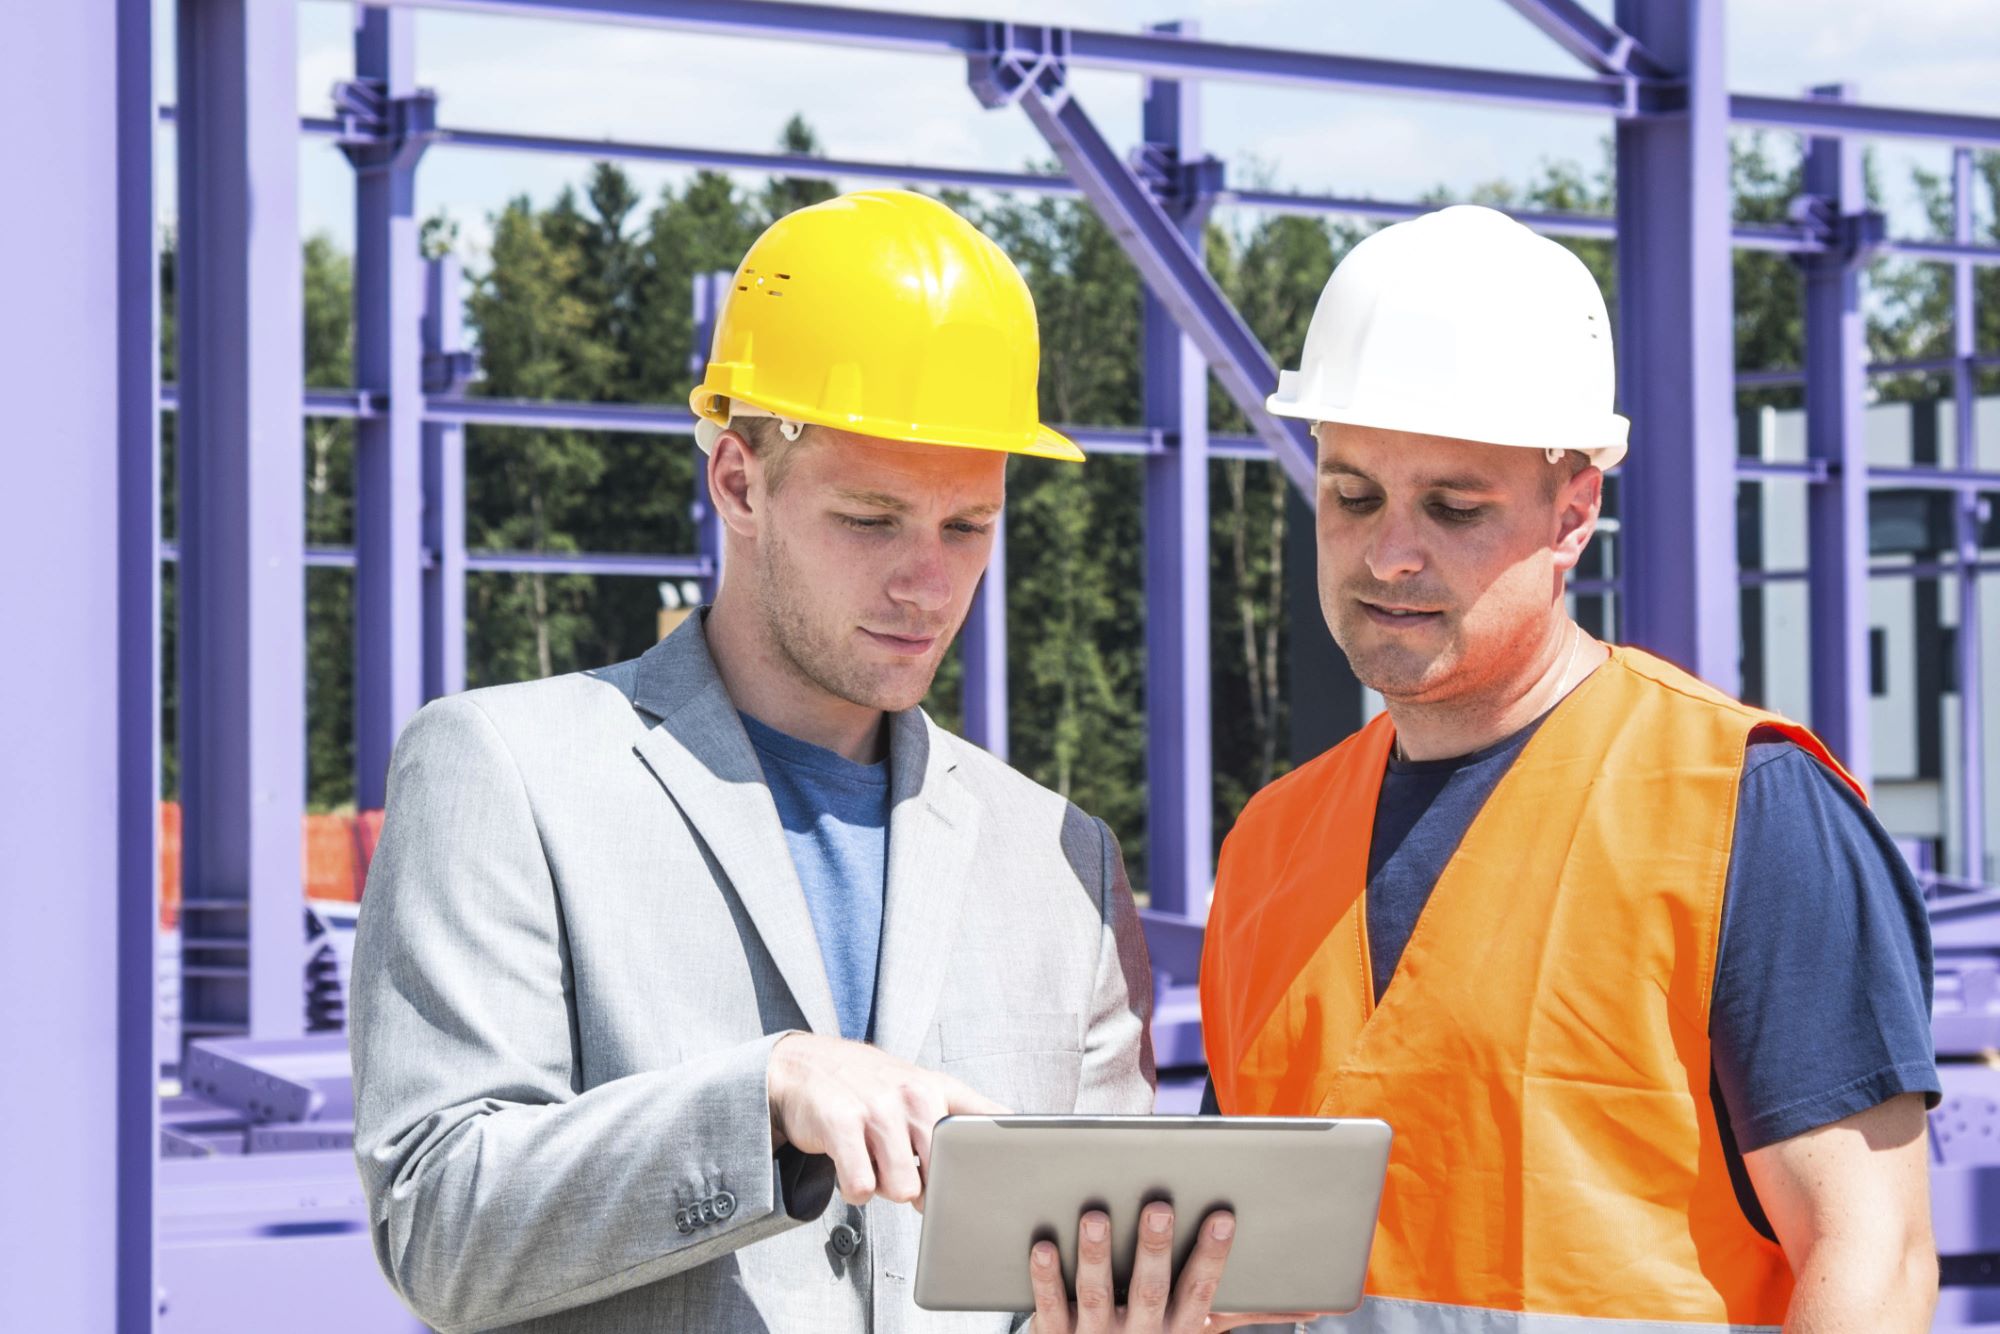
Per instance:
x=242, y=529
x=1969, y=506
x=388, y=444
x=444, y=486
x=1836, y=355
x=984, y=645
x=1676, y=339
x=1179, y=759
x=78, y=780
x=710, y=291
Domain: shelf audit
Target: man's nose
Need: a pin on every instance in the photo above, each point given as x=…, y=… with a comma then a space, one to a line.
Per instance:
x=1393, y=551
x=923, y=577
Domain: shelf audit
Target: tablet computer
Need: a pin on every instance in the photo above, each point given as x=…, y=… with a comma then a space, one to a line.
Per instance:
x=1305, y=1192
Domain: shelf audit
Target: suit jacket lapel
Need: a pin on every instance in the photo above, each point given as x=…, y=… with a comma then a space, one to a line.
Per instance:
x=700, y=754
x=933, y=825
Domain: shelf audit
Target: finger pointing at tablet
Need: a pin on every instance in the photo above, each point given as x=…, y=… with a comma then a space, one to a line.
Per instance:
x=868, y=1111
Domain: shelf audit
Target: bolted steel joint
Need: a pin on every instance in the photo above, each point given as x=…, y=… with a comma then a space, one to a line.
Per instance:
x=450, y=372
x=1183, y=188
x=1020, y=56
x=1845, y=239
x=379, y=132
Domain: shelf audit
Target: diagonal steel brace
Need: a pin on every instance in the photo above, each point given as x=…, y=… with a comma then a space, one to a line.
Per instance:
x=1603, y=46
x=1170, y=268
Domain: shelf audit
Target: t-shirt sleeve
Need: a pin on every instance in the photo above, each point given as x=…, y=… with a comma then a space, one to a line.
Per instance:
x=1822, y=998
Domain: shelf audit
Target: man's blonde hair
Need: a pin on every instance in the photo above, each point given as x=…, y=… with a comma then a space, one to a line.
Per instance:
x=766, y=441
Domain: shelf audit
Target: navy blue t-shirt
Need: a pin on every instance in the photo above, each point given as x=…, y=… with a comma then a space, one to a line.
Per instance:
x=1822, y=996
x=836, y=818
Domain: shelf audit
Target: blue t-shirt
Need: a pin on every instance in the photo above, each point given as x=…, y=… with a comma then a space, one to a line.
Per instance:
x=836, y=818
x=1822, y=996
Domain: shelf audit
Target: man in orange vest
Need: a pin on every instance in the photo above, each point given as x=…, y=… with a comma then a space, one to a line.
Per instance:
x=1639, y=982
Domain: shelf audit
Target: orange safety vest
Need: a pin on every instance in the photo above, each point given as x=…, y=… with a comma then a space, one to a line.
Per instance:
x=1542, y=1050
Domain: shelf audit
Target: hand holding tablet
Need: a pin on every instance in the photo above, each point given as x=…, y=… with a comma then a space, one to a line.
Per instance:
x=1157, y=1300
x=1293, y=1199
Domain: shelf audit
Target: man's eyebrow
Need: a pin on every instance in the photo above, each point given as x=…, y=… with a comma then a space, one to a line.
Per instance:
x=1458, y=482
x=897, y=505
x=1446, y=482
x=875, y=499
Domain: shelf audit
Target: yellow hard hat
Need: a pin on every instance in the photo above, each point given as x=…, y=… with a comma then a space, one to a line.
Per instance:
x=884, y=313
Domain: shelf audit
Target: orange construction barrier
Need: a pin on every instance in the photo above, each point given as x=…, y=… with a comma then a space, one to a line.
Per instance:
x=336, y=851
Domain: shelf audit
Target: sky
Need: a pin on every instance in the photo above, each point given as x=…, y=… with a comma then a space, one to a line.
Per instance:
x=592, y=80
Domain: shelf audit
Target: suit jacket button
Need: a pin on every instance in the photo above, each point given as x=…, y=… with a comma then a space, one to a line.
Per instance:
x=725, y=1204
x=845, y=1240
x=682, y=1221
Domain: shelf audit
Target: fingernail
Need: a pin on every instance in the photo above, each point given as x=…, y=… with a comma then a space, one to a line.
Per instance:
x=1223, y=1228
x=1095, y=1227
x=1045, y=1256
x=1159, y=1220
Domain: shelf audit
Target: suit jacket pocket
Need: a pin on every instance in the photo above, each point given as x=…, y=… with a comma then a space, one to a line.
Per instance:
x=1029, y=1061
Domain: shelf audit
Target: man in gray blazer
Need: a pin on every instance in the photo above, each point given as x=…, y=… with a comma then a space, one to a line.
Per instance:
x=654, y=958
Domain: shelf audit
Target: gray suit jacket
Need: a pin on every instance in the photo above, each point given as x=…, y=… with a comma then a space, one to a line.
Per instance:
x=581, y=938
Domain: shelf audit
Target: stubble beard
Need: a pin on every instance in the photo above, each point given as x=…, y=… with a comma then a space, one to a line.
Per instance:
x=827, y=660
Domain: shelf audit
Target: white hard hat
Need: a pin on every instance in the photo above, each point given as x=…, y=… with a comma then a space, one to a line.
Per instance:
x=1462, y=323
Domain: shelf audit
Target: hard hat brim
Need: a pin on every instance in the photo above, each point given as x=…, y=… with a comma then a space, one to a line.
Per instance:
x=712, y=416
x=1604, y=443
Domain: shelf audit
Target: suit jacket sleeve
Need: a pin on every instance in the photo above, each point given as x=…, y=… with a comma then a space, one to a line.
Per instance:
x=497, y=1190
x=1118, y=1075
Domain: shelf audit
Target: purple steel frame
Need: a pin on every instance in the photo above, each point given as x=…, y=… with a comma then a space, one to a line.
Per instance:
x=242, y=526
x=1179, y=806
x=1837, y=506
x=1657, y=71
x=385, y=118
x=79, y=688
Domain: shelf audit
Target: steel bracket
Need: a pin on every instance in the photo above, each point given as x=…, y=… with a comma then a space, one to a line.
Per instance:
x=1020, y=56
x=1845, y=239
x=450, y=372
x=1185, y=189
x=383, y=133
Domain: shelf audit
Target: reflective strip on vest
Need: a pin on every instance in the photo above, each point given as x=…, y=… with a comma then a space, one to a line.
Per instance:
x=1391, y=1315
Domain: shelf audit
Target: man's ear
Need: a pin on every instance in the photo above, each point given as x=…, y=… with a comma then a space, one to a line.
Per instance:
x=1578, y=502
x=736, y=484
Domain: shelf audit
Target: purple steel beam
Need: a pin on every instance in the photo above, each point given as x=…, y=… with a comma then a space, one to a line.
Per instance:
x=634, y=418
x=710, y=292
x=137, y=888
x=786, y=164
x=1598, y=44
x=1813, y=116
x=1149, y=54
x=1837, y=510
x=1970, y=510
x=984, y=644
x=242, y=527
x=1917, y=366
x=1676, y=331
x=388, y=446
x=613, y=563
x=1172, y=272
x=77, y=358
x=443, y=488
x=1179, y=758
x=1749, y=236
